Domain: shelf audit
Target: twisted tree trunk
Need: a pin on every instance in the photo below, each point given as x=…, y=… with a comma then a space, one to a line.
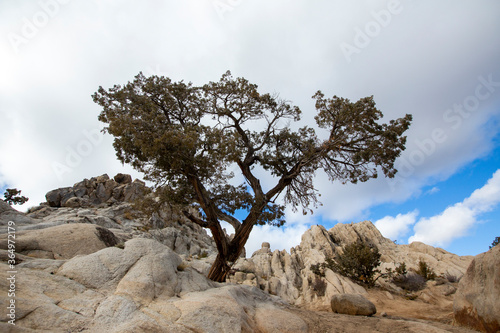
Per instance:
x=220, y=268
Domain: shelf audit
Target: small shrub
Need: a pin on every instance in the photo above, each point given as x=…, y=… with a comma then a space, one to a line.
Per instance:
x=425, y=271
x=496, y=241
x=319, y=286
x=128, y=215
x=411, y=297
x=203, y=254
x=410, y=281
x=401, y=269
x=357, y=262
x=144, y=228
x=451, y=278
x=318, y=269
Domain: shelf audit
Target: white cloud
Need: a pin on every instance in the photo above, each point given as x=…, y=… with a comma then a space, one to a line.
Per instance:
x=396, y=227
x=488, y=196
x=282, y=238
x=433, y=190
x=288, y=48
x=457, y=220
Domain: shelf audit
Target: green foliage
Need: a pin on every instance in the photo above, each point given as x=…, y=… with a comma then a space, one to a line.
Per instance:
x=397, y=272
x=496, y=241
x=408, y=281
x=358, y=261
x=401, y=269
x=318, y=269
x=188, y=140
x=12, y=196
x=425, y=271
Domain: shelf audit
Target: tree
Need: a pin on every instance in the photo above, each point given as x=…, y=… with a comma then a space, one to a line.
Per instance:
x=188, y=140
x=12, y=196
x=425, y=271
x=358, y=261
x=496, y=241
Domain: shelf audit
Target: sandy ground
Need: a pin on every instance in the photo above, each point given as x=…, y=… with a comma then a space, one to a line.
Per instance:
x=431, y=311
x=329, y=322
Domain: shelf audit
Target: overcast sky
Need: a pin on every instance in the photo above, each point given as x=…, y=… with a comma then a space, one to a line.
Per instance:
x=437, y=60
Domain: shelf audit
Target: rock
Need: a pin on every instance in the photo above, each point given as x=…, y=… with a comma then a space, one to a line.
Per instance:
x=71, y=277
x=141, y=288
x=233, y=308
x=352, y=304
x=318, y=239
x=135, y=190
x=76, y=202
x=62, y=242
x=7, y=213
x=56, y=198
x=448, y=290
x=477, y=302
x=271, y=319
x=98, y=190
x=439, y=260
x=153, y=275
x=123, y=178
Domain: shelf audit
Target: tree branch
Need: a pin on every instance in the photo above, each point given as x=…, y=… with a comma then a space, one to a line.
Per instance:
x=192, y=218
x=229, y=219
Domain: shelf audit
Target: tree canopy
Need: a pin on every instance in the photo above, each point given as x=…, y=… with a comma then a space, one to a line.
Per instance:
x=190, y=140
x=495, y=242
x=13, y=196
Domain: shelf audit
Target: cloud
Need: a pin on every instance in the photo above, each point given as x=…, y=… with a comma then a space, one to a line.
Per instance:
x=457, y=220
x=45, y=89
x=484, y=199
x=282, y=238
x=396, y=227
x=433, y=190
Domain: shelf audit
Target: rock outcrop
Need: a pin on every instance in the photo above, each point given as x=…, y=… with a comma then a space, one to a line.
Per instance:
x=476, y=302
x=89, y=261
x=61, y=242
x=142, y=287
x=441, y=261
x=98, y=190
x=289, y=275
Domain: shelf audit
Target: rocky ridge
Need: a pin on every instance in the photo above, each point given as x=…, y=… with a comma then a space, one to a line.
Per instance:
x=89, y=261
x=289, y=275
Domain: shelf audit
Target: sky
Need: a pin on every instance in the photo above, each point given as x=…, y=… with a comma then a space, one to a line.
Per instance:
x=437, y=60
